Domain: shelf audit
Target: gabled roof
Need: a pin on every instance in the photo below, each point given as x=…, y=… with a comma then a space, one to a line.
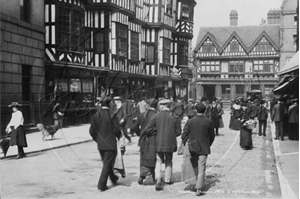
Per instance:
x=247, y=35
x=210, y=36
x=239, y=40
x=264, y=34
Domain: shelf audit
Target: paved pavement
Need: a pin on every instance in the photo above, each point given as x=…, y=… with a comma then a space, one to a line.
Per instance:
x=287, y=164
x=286, y=152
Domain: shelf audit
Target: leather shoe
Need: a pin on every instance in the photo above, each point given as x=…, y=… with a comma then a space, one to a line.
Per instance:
x=115, y=181
x=19, y=156
x=200, y=193
x=140, y=180
x=103, y=189
x=158, y=186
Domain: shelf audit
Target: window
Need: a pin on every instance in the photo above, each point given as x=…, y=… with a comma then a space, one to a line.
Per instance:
x=87, y=85
x=263, y=46
x=263, y=66
x=185, y=11
x=71, y=30
x=236, y=66
x=210, y=66
x=134, y=46
x=234, y=46
x=182, y=58
x=26, y=74
x=88, y=40
x=240, y=89
x=208, y=48
x=122, y=37
x=75, y=85
x=99, y=42
x=168, y=7
x=150, y=53
x=64, y=35
x=77, y=36
x=25, y=10
x=166, y=51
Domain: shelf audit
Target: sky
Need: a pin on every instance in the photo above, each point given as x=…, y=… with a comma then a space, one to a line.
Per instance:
x=215, y=13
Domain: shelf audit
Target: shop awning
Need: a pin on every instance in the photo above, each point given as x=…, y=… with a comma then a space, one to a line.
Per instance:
x=290, y=86
x=292, y=65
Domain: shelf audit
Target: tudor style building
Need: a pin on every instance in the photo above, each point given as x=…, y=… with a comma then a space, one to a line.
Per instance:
x=125, y=45
x=235, y=59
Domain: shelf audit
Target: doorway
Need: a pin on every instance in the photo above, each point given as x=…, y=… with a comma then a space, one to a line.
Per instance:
x=209, y=91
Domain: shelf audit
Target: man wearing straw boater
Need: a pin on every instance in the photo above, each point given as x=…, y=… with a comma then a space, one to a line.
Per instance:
x=16, y=129
x=200, y=132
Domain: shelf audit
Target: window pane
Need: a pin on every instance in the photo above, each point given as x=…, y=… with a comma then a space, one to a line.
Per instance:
x=150, y=54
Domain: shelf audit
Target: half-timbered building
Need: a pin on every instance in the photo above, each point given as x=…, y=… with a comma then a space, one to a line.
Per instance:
x=235, y=59
x=127, y=46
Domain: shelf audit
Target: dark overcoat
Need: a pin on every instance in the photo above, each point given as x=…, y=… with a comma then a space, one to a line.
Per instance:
x=104, y=130
x=262, y=113
x=200, y=132
x=167, y=129
x=293, y=113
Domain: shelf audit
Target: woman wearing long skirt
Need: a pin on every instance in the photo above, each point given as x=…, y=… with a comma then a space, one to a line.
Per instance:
x=245, y=133
x=15, y=127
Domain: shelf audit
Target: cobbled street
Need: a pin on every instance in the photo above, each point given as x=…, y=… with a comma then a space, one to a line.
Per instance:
x=73, y=172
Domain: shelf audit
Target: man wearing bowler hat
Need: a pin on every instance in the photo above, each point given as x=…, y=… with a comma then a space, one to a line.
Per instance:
x=104, y=131
x=15, y=127
x=166, y=128
x=200, y=132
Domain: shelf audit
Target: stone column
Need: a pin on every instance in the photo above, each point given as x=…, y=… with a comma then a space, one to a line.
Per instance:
x=199, y=91
x=218, y=91
x=232, y=91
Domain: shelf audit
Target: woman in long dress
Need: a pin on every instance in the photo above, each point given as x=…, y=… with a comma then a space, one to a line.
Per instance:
x=245, y=133
x=15, y=127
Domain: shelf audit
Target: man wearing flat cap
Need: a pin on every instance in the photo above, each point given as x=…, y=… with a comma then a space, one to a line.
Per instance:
x=104, y=132
x=198, y=133
x=166, y=129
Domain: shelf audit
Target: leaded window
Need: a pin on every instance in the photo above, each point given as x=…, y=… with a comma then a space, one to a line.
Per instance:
x=168, y=7
x=166, y=50
x=150, y=54
x=182, y=57
x=134, y=46
x=236, y=66
x=122, y=40
x=263, y=66
x=263, y=45
x=210, y=66
x=234, y=46
x=99, y=41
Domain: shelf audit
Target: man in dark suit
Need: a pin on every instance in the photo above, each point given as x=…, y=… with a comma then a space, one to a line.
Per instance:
x=167, y=129
x=278, y=113
x=262, y=118
x=200, y=133
x=146, y=143
x=105, y=132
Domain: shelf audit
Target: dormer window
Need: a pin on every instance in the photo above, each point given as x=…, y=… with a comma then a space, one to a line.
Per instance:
x=263, y=45
x=208, y=47
x=234, y=46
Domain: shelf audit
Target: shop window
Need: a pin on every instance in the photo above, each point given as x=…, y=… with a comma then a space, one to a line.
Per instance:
x=75, y=85
x=240, y=89
x=166, y=50
x=87, y=86
x=122, y=38
x=134, y=46
x=25, y=10
x=182, y=58
x=236, y=66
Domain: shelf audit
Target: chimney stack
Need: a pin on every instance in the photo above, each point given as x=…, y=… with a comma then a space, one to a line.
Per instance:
x=274, y=17
x=233, y=18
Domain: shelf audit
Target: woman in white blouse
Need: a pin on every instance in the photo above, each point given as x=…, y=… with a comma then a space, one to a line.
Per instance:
x=15, y=127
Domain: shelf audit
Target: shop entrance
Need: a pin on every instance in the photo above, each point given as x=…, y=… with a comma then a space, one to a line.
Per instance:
x=209, y=91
